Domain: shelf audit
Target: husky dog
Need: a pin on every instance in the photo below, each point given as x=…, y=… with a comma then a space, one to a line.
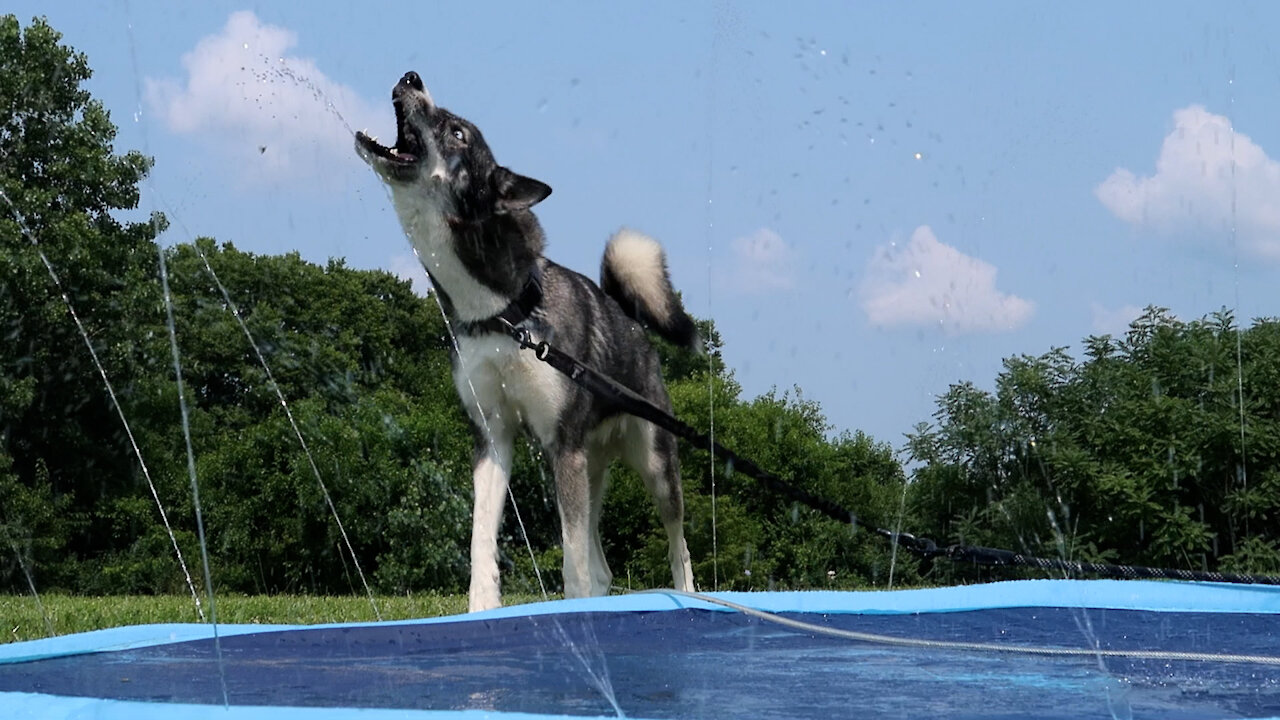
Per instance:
x=470, y=222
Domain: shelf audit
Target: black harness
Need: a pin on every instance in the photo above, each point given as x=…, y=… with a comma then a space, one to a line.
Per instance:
x=516, y=311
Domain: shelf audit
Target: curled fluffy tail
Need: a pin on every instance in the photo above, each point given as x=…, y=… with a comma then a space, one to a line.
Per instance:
x=634, y=272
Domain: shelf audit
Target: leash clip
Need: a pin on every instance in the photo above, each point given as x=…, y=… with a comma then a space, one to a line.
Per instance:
x=522, y=336
x=923, y=546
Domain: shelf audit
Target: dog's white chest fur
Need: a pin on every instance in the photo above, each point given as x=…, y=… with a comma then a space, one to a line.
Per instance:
x=422, y=217
x=498, y=383
x=511, y=386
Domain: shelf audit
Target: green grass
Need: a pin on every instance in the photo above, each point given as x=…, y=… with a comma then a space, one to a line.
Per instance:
x=22, y=619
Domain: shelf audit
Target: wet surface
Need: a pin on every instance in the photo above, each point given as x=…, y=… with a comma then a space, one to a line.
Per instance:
x=697, y=663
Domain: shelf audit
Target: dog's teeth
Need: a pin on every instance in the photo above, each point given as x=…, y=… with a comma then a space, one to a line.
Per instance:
x=395, y=151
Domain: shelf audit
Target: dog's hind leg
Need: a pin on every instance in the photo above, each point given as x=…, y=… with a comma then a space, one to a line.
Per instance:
x=492, y=473
x=652, y=454
x=574, y=502
x=598, y=476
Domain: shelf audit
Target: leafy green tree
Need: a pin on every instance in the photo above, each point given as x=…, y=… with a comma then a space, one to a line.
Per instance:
x=1161, y=447
x=61, y=186
x=362, y=365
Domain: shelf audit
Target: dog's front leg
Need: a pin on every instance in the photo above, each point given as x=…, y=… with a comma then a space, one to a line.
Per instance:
x=492, y=473
x=573, y=497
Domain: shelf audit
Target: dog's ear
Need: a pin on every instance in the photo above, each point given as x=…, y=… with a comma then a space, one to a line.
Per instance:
x=517, y=192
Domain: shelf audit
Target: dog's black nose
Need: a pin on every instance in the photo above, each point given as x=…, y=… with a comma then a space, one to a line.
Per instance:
x=412, y=80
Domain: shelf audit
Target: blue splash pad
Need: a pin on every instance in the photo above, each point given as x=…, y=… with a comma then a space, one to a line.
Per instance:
x=665, y=656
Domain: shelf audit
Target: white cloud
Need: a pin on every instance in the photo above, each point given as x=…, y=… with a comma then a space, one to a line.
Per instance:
x=245, y=94
x=407, y=267
x=1207, y=179
x=1108, y=321
x=762, y=261
x=929, y=283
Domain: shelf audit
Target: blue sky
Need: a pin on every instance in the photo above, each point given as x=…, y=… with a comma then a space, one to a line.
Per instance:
x=872, y=201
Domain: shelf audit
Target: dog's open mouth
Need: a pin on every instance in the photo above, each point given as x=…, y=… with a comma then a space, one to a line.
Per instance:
x=408, y=146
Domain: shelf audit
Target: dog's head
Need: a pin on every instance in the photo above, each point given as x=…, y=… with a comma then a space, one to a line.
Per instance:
x=446, y=157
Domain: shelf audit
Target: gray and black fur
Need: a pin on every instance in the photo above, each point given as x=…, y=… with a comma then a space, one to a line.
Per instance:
x=469, y=220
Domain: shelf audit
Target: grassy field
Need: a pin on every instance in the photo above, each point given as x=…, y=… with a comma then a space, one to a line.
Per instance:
x=22, y=619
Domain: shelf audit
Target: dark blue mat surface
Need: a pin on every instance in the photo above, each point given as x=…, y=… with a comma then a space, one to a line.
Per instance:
x=700, y=663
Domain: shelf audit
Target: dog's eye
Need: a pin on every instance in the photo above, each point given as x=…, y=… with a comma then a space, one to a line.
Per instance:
x=459, y=135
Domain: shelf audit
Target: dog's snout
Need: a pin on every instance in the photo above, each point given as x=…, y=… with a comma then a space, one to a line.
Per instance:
x=412, y=79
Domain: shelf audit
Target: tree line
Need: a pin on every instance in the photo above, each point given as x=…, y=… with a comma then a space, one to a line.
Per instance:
x=1158, y=447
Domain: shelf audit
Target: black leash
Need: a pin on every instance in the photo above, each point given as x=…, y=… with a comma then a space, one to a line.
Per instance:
x=632, y=403
x=994, y=557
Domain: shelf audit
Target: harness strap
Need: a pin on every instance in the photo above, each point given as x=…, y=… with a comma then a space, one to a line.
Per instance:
x=516, y=311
